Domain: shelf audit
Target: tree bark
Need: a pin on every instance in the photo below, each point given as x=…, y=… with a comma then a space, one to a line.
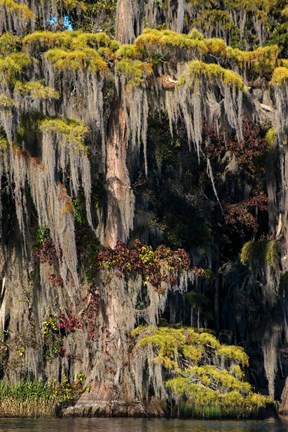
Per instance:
x=125, y=21
x=117, y=219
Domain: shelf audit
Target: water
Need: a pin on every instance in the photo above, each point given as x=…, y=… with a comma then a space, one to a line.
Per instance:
x=140, y=425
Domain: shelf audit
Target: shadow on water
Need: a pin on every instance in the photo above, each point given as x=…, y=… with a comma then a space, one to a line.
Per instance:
x=140, y=425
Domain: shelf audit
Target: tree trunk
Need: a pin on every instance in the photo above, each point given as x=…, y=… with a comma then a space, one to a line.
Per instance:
x=117, y=219
x=125, y=21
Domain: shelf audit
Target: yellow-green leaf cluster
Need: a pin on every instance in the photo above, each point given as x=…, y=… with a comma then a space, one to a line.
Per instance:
x=48, y=39
x=216, y=46
x=73, y=40
x=165, y=43
x=87, y=59
x=189, y=344
x=213, y=377
x=36, y=90
x=262, y=59
x=270, y=137
x=133, y=70
x=213, y=72
x=13, y=64
x=6, y=102
x=74, y=132
x=8, y=44
x=4, y=145
x=280, y=76
x=202, y=373
x=20, y=9
x=233, y=352
x=210, y=18
x=265, y=251
x=94, y=40
x=284, y=11
x=128, y=51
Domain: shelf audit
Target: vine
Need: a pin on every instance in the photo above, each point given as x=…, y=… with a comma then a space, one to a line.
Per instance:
x=156, y=267
x=46, y=252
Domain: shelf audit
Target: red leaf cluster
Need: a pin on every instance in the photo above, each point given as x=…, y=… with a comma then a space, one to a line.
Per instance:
x=161, y=265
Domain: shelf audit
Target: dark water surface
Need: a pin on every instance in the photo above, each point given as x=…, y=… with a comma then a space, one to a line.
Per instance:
x=140, y=425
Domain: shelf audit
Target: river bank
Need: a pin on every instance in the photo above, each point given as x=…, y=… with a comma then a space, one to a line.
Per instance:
x=51, y=400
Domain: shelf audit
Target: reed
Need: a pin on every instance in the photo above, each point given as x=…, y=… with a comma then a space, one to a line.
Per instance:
x=186, y=410
x=37, y=408
x=31, y=399
x=38, y=399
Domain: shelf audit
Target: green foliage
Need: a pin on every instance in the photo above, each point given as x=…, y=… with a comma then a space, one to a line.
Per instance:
x=193, y=345
x=226, y=19
x=134, y=71
x=196, y=34
x=270, y=137
x=4, y=145
x=280, y=76
x=233, y=352
x=73, y=40
x=41, y=235
x=95, y=41
x=197, y=69
x=12, y=65
x=161, y=45
x=54, y=329
x=67, y=392
x=36, y=90
x=166, y=38
x=74, y=132
x=201, y=372
x=52, y=338
x=262, y=251
x=87, y=59
x=6, y=102
x=205, y=401
x=216, y=46
x=261, y=60
x=8, y=44
x=47, y=39
x=272, y=253
x=211, y=18
x=283, y=62
x=74, y=50
x=87, y=14
x=49, y=326
x=128, y=51
x=79, y=213
x=21, y=10
x=246, y=252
